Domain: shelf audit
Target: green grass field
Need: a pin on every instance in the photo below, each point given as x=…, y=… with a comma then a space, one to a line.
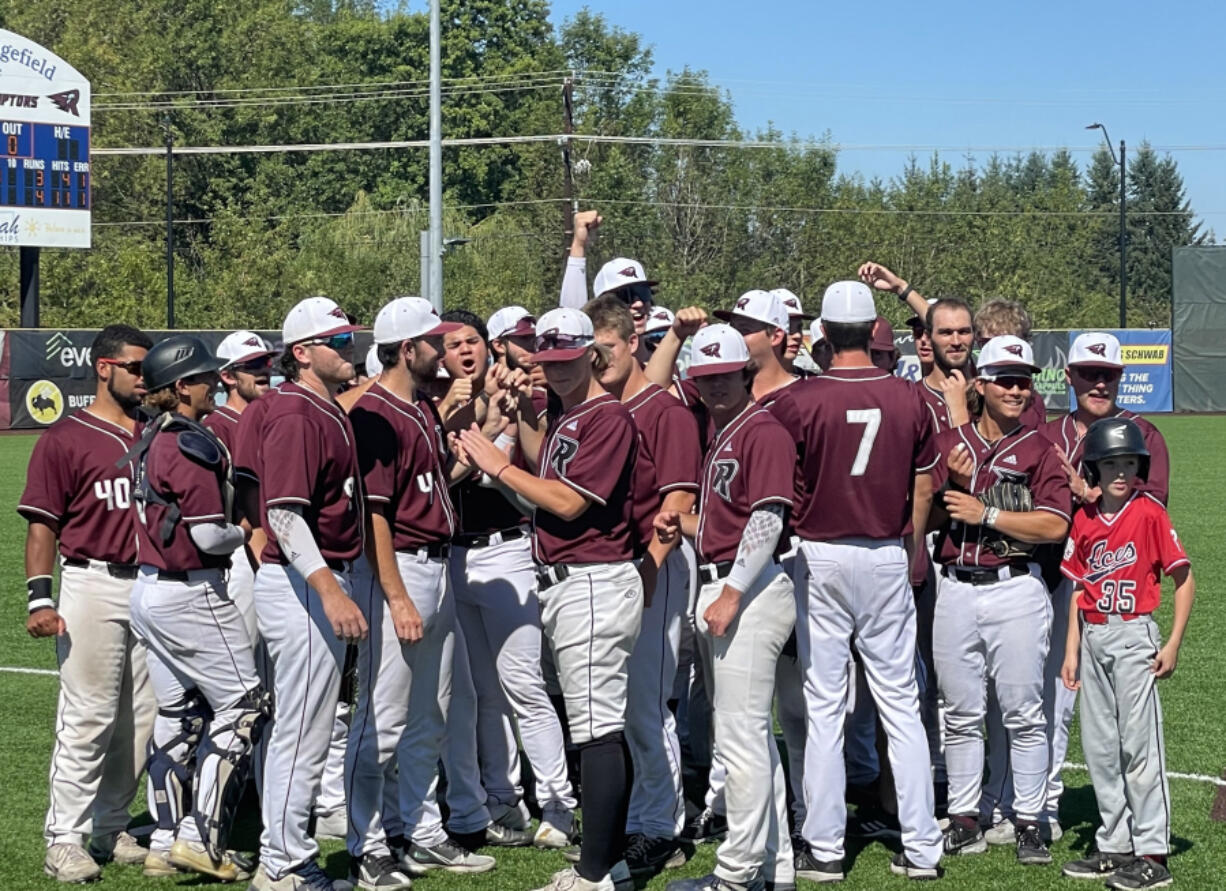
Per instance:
x=1192, y=700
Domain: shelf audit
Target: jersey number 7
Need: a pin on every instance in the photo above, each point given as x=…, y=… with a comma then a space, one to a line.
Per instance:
x=871, y=419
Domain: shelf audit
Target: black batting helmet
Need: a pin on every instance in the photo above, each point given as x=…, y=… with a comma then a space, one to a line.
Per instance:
x=175, y=358
x=1109, y=437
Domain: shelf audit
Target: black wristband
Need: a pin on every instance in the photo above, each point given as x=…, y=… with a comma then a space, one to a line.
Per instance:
x=38, y=593
x=904, y=292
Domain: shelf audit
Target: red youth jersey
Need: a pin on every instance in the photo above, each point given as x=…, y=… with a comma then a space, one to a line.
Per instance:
x=223, y=423
x=1063, y=432
x=861, y=435
x=197, y=491
x=1024, y=456
x=1118, y=561
x=593, y=448
x=307, y=458
x=401, y=459
x=74, y=486
x=669, y=458
x=749, y=465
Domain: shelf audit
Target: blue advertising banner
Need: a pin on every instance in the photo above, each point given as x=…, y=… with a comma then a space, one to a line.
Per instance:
x=1146, y=385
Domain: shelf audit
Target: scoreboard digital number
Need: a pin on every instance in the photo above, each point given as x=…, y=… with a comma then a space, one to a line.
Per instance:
x=44, y=166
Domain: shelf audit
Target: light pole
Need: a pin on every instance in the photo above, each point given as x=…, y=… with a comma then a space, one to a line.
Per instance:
x=1123, y=222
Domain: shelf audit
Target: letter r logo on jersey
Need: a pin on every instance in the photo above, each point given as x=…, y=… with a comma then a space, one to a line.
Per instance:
x=725, y=471
x=564, y=449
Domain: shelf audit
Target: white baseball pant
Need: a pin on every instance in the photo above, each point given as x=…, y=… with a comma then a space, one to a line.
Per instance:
x=241, y=589
x=657, y=808
x=105, y=712
x=997, y=631
x=790, y=704
x=592, y=618
x=499, y=611
x=307, y=659
x=401, y=713
x=860, y=587
x=331, y=797
x=743, y=679
x=196, y=638
x=466, y=764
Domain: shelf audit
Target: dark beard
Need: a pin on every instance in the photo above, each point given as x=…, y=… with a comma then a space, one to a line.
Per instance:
x=129, y=402
x=945, y=367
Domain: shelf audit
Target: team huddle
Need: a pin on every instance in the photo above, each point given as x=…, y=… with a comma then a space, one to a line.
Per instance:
x=537, y=540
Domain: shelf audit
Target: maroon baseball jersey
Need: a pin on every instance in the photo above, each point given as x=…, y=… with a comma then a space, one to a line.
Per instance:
x=749, y=465
x=687, y=393
x=861, y=435
x=592, y=448
x=669, y=457
x=1119, y=561
x=1034, y=415
x=196, y=489
x=1063, y=432
x=223, y=422
x=307, y=458
x=934, y=401
x=73, y=486
x=401, y=458
x=1024, y=456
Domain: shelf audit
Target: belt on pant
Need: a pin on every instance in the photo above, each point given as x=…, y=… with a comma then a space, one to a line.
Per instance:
x=1094, y=617
x=433, y=550
x=492, y=538
x=115, y=570
x=187, y=575
x=980, y=575
x=710, y=572
x=337, y=565
x=549, y=575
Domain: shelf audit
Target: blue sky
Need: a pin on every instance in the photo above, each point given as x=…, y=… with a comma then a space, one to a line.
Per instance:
x=959, y=74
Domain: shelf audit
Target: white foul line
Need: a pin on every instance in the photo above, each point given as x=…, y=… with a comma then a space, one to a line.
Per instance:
x=1071, y=765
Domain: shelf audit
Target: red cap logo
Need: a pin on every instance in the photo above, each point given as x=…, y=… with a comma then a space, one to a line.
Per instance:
x=660, y=314
x=742, y=303
x=339, y=313
x=252, y=341
x=1098, y=349
x=792, y=302
x=711, y=349
x=1014, y=348
x=629, y=272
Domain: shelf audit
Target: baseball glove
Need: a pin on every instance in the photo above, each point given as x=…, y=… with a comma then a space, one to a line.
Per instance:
x=1013, y=497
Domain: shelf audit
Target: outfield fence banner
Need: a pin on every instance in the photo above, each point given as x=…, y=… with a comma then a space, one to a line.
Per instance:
x=1198, y=318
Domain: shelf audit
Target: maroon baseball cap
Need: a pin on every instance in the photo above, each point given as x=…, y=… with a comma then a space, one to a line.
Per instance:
x=883, y=335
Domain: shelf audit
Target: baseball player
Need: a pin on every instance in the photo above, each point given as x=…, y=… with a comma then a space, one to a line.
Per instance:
x=923, y=342
x=405, y=596
x=622, y=277
x=746, y=609
x=797, y=317
x=211, y=705
x=858, y=427
x=591, y=594
x=666, y=479
x=996, y=317
x=1095, y=368
x=496, y=603
x=77, y=500
x=1120, y=547
x=993, y=613
x=245, y=375
x=311, y=495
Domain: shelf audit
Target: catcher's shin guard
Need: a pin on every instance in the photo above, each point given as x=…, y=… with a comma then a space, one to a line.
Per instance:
x=171, y=766
x=229, y=769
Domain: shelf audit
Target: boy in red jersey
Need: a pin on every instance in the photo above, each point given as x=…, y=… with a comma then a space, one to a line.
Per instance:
x=1117, y=551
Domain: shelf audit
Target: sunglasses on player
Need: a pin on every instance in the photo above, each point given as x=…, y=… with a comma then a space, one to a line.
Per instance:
x=745, y=326
x=1097, y=373
x=653, y=338
x=252, y=366
x=635, y=293
x=1009, y=381
x=131, y=366
x=562, y=342
x=338, y=342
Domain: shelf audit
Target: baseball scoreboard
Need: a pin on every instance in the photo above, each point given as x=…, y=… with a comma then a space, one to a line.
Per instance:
x=44, y=166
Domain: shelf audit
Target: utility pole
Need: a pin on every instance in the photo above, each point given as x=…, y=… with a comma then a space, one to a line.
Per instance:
x=170, y=228
x=571, y=206
x=436, y=160
x=1123, y=220
x=424, y=257
x=29, y=286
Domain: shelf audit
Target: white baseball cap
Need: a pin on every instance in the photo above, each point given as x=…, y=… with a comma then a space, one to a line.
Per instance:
x=313, y=318
x=1096, y=348
x=848, y=303
x=619, y=273
x=1005, y=355
x=563, y=334
x=373, y=365
x=659, y=319
x=511, y=321
x=717, y=349
x=243, y=346
x=791, y=303
x=406, y=318
x=759, y=305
